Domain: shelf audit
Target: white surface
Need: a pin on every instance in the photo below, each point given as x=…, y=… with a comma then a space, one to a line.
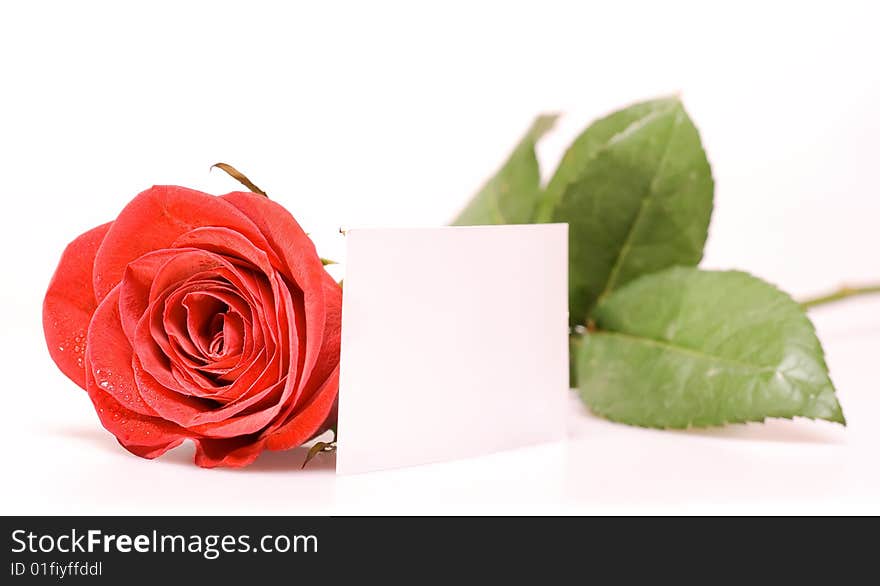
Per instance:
x=58, y=460
x=454, y=343
x=376, y=114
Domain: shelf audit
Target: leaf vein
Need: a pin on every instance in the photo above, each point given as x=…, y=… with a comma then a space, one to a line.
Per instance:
x=692, y=352
x=628, y=241
x=619, y=136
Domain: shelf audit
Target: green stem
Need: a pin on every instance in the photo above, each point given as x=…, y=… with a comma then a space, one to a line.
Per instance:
x=839, y=295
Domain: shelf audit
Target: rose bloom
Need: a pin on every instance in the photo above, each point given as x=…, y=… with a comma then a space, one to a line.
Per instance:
x=199, y=317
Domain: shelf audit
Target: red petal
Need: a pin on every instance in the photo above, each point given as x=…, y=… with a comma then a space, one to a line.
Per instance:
x=310, y=420
x=108, y=355
x=115, y=401
x=154, y=220
x=70, y=303
x=230, y=244
x=150, y=452
x=233, y=452
x=303, y=265
x=328, y=357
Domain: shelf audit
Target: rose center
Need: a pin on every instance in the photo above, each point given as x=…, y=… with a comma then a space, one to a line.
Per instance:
x=215, y=348
x=215, y=330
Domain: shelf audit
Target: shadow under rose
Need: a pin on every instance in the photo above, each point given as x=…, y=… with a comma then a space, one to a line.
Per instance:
x=95, y=436
x=282, y=461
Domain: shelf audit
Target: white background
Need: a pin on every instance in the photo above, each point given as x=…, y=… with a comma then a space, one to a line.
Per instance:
x=392, y=115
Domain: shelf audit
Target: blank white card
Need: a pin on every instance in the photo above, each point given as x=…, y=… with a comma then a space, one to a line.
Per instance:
x=454, y=343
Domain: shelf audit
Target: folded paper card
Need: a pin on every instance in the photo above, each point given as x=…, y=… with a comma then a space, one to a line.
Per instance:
x=454, y=343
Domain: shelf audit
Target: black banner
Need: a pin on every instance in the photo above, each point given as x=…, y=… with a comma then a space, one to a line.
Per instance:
x=162, y=551
x=215, y=550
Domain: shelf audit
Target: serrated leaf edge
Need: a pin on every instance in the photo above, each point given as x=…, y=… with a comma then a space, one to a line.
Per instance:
x=627, y=243
x=811, y=328
x=548, y=204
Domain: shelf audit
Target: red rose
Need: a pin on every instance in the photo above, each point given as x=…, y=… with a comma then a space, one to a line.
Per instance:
x=199, y=317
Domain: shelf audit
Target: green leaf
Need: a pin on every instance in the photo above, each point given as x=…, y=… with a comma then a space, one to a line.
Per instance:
x=685, y=347
x=590, y=142
x=511, y=196
x=636, y=190
x=574, y=344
